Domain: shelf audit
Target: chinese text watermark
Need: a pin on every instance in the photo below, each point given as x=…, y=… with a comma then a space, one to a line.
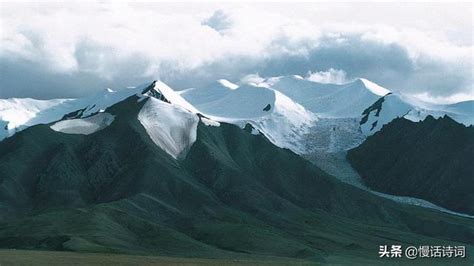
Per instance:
x=413, y=252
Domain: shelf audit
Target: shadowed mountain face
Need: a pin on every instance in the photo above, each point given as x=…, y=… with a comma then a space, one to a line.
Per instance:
x=431, y=160
x=235, y=194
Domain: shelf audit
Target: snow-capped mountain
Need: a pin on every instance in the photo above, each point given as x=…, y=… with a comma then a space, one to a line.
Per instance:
x=328, y=100
x=59, y=189
x=292, y=112
x=393, y=105
x=169, y=120
x=18, y=114
x=270, y=112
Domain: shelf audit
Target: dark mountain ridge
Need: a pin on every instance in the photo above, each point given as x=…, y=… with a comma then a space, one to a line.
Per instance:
x=431, y=160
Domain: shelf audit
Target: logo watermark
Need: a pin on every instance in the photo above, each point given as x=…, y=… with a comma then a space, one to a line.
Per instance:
x=413, y=252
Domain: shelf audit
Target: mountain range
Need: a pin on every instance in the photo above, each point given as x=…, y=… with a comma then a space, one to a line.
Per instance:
x=285, y=109
x=218, y=171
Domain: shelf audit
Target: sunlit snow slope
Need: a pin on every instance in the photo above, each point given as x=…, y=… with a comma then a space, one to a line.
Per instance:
x=170, y=127
x=272, y=113
x=16, y=114
x=288, y=109
x=395, y=105
x=329, y=100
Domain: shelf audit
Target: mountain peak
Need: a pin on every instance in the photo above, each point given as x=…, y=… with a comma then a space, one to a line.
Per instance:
x=172, y=96
x=151, y=91
x=373, y=87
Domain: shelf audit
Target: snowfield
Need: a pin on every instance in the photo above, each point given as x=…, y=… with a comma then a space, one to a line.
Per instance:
x=17, y=114
x=397, y=105
x=84, y=126
x=270, y=112
x=328, y=100
x=169, y=126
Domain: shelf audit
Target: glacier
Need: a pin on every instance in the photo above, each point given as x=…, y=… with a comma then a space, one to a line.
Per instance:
x=84, y=126
x=169, y=126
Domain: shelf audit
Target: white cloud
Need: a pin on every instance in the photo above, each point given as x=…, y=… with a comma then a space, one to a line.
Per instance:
x=171, y=40
x=332, y=75
x=253, y=79
x=453, y=98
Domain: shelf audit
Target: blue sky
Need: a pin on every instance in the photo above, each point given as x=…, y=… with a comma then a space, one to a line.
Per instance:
x=71, y=50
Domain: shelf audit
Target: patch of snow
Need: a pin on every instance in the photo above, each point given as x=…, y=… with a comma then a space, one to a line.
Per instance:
x=254, y=131
x=169, y=126
x=84, y=126
x=228, y=84
x=209, y=122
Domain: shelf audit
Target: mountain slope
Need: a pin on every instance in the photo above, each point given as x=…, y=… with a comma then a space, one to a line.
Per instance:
x=329, y=100
x=270, y=112
x=429, y=160
x=234, y=194
x=392, y=106
x=293, y=112
x=15, y=113
x=18, y=114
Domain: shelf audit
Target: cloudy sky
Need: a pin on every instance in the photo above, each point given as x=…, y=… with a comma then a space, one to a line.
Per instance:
x=57, y=50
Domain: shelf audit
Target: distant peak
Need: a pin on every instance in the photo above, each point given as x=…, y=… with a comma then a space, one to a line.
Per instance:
x=373, y=87
x=228, y=84
x=152, y=91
